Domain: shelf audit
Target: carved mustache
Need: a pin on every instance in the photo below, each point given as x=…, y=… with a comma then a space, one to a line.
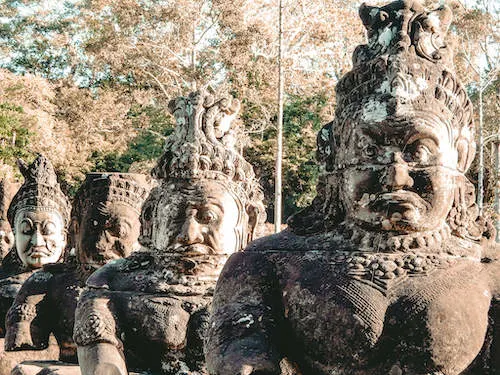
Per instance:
x=194, y=249
x=399, y=197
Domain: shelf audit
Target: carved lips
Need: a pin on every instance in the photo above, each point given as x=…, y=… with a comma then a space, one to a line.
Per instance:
x=400, y=201
x=194, y=250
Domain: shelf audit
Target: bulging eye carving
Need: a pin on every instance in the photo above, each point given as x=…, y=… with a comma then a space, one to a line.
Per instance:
x=206, y=216
x=370, y=151
x=49, y=228
x=367, y=147
x=419, y=152
x=422, y=154
x=26, y=226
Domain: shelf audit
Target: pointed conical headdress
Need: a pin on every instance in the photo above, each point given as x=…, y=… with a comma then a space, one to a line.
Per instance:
x=40, y=191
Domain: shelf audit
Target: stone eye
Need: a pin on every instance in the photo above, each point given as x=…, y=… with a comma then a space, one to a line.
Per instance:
x=422, y=154
x=370, y=151
x=206, y=216
x=49, y=228
x=418, y=152
x=26, y=227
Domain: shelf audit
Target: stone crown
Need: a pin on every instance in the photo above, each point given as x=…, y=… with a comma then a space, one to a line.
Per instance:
x=204, y=144
x=40, y=190
x=130, y=189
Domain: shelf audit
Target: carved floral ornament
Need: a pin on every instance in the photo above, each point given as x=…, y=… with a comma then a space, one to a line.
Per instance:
x=402, y=85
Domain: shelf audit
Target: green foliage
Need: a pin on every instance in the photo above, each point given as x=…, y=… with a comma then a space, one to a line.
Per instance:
x=302, y=119
x=14, y=136
x=146, y=146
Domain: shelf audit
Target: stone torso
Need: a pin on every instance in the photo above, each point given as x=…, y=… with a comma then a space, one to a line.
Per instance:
x=355, y=312
x=12, y=277
x=46, y=305
x=156, y=316
x=363, y=315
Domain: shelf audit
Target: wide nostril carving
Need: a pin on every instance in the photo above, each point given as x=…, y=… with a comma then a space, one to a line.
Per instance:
x=397, y=175
x=190, y=232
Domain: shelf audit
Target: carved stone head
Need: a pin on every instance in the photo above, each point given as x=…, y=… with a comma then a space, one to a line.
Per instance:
x=39, y=215
x=105, y=217
x=403, y=136
x=209, y=201
x=7, y=190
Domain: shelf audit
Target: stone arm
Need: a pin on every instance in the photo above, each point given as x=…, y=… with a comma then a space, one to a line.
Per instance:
x=246, y=320
x=28, y=319
x=100, y=351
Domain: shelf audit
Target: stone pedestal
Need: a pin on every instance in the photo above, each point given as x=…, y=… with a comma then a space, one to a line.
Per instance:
x=9, y=360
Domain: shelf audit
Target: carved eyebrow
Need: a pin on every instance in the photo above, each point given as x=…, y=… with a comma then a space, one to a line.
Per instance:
x=425, y=132
x=215, y=202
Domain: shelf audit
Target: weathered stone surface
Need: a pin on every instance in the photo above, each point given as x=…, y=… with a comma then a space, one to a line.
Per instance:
x=105, y=227
x=152, y=307
x=390, y=270
x=8, y=361
x=38, y=214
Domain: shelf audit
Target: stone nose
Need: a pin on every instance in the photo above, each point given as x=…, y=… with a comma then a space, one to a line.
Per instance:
x=190, y=232
x=397, y=176
x=37, y=239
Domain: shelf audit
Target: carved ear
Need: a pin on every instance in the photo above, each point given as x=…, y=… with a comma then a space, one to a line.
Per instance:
x=466, y=151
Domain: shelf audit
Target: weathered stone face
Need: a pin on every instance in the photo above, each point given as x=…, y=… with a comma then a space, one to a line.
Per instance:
x=401, y=176
x=105, y=217
x=40, y=237
x=199, y=216
x=107, y=231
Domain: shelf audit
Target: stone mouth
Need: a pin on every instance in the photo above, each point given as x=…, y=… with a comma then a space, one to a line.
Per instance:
x=195, y=250
x=38, y=252
x=399, y=199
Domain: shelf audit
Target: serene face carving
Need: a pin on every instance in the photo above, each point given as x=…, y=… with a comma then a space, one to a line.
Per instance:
x=6, y=238
x=40, y=237
x=400, y=176
x=107, y=231
x=197, y=218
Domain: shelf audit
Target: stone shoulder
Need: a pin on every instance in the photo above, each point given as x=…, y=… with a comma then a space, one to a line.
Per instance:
x=109, y=276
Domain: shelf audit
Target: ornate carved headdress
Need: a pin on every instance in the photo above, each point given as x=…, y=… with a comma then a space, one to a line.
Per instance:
x=404, y=72
x=40, y=191
x=204, y=145
x=130, y=189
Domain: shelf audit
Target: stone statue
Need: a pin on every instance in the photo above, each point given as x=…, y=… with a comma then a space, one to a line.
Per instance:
x=150, y=310
x=391, y=269
x=105, y=220
x=7, y=190
x=39, y=215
